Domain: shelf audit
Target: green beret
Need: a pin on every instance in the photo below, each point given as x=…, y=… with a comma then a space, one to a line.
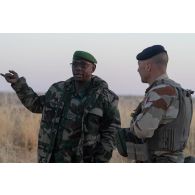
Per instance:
x=82, y=55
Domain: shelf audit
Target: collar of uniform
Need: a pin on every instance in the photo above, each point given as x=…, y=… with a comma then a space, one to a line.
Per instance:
x=82, y=92
x=163, y=76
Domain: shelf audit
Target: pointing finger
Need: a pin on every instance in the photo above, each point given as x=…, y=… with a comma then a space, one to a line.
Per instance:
x=2, y=74
x=12, y=71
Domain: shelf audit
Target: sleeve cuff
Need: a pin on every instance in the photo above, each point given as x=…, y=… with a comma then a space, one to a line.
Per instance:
x=18, y=85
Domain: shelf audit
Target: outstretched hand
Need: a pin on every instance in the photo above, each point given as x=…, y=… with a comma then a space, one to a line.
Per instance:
x=11, y=77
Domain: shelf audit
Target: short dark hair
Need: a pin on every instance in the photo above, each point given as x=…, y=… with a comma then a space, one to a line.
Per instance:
x=161, y=59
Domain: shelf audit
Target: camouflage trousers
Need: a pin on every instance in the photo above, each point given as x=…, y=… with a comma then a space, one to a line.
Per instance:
x=73, y=155
x=178, y=158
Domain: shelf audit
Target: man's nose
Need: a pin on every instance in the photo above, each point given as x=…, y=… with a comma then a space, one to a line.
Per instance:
x=78, y=67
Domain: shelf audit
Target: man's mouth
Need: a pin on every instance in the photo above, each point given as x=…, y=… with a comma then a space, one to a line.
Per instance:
x=78, y=75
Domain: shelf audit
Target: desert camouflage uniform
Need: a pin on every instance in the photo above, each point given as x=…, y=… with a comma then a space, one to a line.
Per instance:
x=159, y=107
x=74, y=127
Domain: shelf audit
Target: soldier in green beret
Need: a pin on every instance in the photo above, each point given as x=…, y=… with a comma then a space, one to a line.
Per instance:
x=79, y=116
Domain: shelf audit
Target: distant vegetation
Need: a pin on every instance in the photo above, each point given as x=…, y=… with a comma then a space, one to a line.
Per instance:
x=19, y=129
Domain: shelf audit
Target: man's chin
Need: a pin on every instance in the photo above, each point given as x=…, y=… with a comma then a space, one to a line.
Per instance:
x=81, y=79
x=143, y=80
x=76, y=78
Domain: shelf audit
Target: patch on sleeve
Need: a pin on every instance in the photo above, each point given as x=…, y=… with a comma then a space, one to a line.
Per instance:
x=168, y=90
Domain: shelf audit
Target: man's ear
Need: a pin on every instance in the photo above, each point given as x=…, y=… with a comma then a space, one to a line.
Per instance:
x=93, y=68
x=148, y=67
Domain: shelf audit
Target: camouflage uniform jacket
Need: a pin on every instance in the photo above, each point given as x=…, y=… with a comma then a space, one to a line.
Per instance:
x=97, y=133
x=160, y=106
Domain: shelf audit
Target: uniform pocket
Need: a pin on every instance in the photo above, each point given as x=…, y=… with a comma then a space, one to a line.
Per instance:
x=93, y=121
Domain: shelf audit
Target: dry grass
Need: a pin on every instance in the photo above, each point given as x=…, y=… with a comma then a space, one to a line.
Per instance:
x=19, y=129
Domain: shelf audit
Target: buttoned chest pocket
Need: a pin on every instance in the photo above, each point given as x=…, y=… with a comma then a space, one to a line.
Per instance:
x=94, y=120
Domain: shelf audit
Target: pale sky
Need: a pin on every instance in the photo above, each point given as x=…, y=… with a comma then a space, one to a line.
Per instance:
x=44, y=58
